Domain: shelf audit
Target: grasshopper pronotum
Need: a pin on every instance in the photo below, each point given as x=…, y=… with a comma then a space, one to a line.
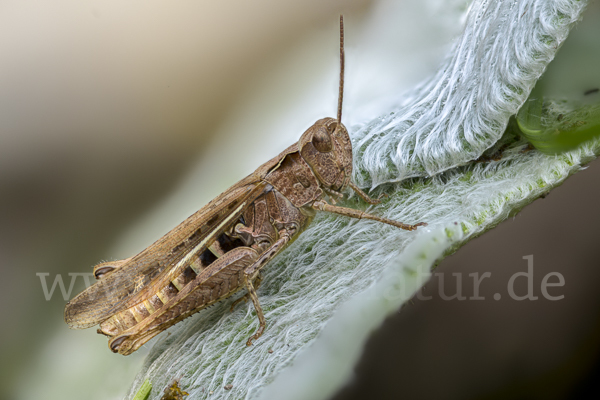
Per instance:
x=221, y=249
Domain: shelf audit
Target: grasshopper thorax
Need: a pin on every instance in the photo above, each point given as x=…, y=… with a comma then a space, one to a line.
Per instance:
x=327, y=149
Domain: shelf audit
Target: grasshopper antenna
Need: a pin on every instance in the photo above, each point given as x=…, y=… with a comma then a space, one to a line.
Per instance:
x=341, y=95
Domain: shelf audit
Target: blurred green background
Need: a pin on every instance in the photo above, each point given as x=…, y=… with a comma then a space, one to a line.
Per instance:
x=119, y=119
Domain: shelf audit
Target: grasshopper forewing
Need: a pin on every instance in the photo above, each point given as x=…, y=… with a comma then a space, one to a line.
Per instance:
x=221, y=249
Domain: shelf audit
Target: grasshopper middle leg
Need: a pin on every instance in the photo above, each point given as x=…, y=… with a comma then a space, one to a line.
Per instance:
x=245, y=297
x=252, y=272
x=365, y=196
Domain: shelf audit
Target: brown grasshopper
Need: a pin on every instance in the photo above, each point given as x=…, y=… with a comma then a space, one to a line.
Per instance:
x=222, y=248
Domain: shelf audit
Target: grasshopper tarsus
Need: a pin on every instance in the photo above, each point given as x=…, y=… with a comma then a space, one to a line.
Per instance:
x=381, y=196
x=415, y=226
x=258, y=334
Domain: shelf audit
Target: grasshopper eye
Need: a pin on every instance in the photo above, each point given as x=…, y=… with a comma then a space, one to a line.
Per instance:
x=322, y=141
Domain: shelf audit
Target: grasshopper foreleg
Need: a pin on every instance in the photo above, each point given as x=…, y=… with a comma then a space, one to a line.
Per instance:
x=333, y=195
x=365, y=196
x=251, y=273
x=350, y=212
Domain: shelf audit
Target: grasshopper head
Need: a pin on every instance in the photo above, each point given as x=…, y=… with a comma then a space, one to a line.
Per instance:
x=326, y=147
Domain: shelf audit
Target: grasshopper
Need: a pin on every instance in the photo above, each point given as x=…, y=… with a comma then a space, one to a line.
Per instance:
x=222, y=248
